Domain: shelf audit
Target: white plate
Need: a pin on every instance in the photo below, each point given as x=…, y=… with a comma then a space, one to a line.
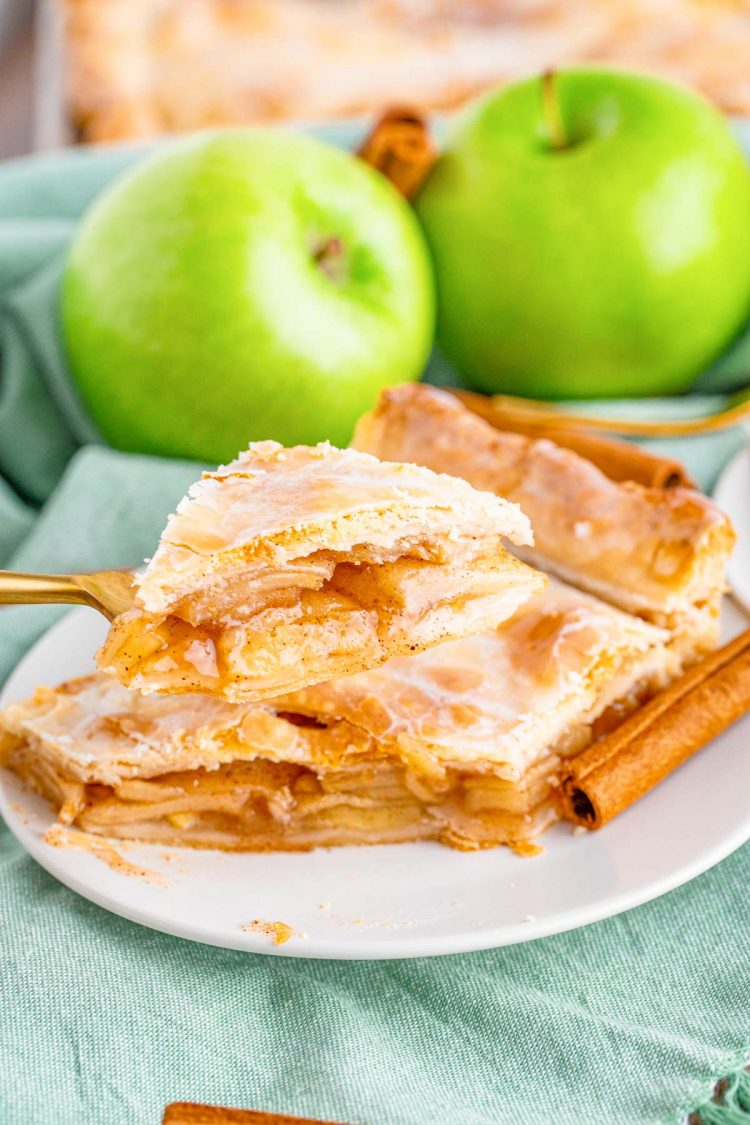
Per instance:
x=411, y=900
x=732, y=494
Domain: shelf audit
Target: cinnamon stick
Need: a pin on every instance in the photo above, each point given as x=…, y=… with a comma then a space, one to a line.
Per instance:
x=191, y=1113
x=614, y=772
x=617, y=459
x=621, y=460
x=535, y=410
x=400, y=146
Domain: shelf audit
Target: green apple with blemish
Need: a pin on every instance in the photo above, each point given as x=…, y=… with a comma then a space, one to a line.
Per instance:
x=590, y=232
x=241, y=286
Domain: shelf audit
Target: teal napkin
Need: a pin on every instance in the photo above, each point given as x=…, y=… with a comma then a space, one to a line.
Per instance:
x=629, y=1020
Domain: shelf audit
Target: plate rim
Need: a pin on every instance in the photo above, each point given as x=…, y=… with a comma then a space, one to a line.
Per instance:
x=734, y=466
x=407, y=947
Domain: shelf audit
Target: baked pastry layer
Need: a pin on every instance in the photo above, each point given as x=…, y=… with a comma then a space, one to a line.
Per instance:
x=138, y=68
x=291, y=566
x=658, y=553
x=458, y=744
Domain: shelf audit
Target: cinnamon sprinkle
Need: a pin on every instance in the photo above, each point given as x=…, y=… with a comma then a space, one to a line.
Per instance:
x=59, y=836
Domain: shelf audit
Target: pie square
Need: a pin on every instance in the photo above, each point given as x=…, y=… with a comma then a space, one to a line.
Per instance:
x=141, y=68
x=659, y=553
x=461, y=743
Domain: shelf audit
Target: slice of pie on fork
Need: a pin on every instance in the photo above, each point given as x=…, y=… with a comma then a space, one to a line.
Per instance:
x=288, y=567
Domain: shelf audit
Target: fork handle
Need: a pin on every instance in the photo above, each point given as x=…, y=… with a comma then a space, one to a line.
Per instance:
x=40, y=589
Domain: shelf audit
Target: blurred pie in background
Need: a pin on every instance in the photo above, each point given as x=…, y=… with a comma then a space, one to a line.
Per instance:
x=139, y=68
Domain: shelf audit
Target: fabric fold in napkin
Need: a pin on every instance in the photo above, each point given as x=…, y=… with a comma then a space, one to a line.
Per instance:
x=628, y=1020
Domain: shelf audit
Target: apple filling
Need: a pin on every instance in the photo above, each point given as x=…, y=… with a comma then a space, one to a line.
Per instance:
x=247, y=635
x=261, y=805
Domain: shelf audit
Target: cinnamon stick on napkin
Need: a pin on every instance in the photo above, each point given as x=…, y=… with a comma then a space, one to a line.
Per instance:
x=614, y=772
x=400, y=146
x=191, y=1113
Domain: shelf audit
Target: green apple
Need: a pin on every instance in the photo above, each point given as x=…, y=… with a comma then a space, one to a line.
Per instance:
x=591, y=237
x=241, y=286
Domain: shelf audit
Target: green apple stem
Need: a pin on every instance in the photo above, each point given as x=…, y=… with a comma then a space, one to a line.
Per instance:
x=551, y=110
x=328, y=256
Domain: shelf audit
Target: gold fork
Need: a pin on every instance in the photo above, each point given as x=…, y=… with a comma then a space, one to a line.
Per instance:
x=108, y=591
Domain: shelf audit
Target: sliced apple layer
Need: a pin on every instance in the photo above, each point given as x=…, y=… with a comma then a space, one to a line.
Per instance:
x=291, y=566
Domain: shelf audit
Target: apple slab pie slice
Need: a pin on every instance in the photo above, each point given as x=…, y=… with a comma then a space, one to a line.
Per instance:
x=659, y=553
x=462, y=743
x=288, y=567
